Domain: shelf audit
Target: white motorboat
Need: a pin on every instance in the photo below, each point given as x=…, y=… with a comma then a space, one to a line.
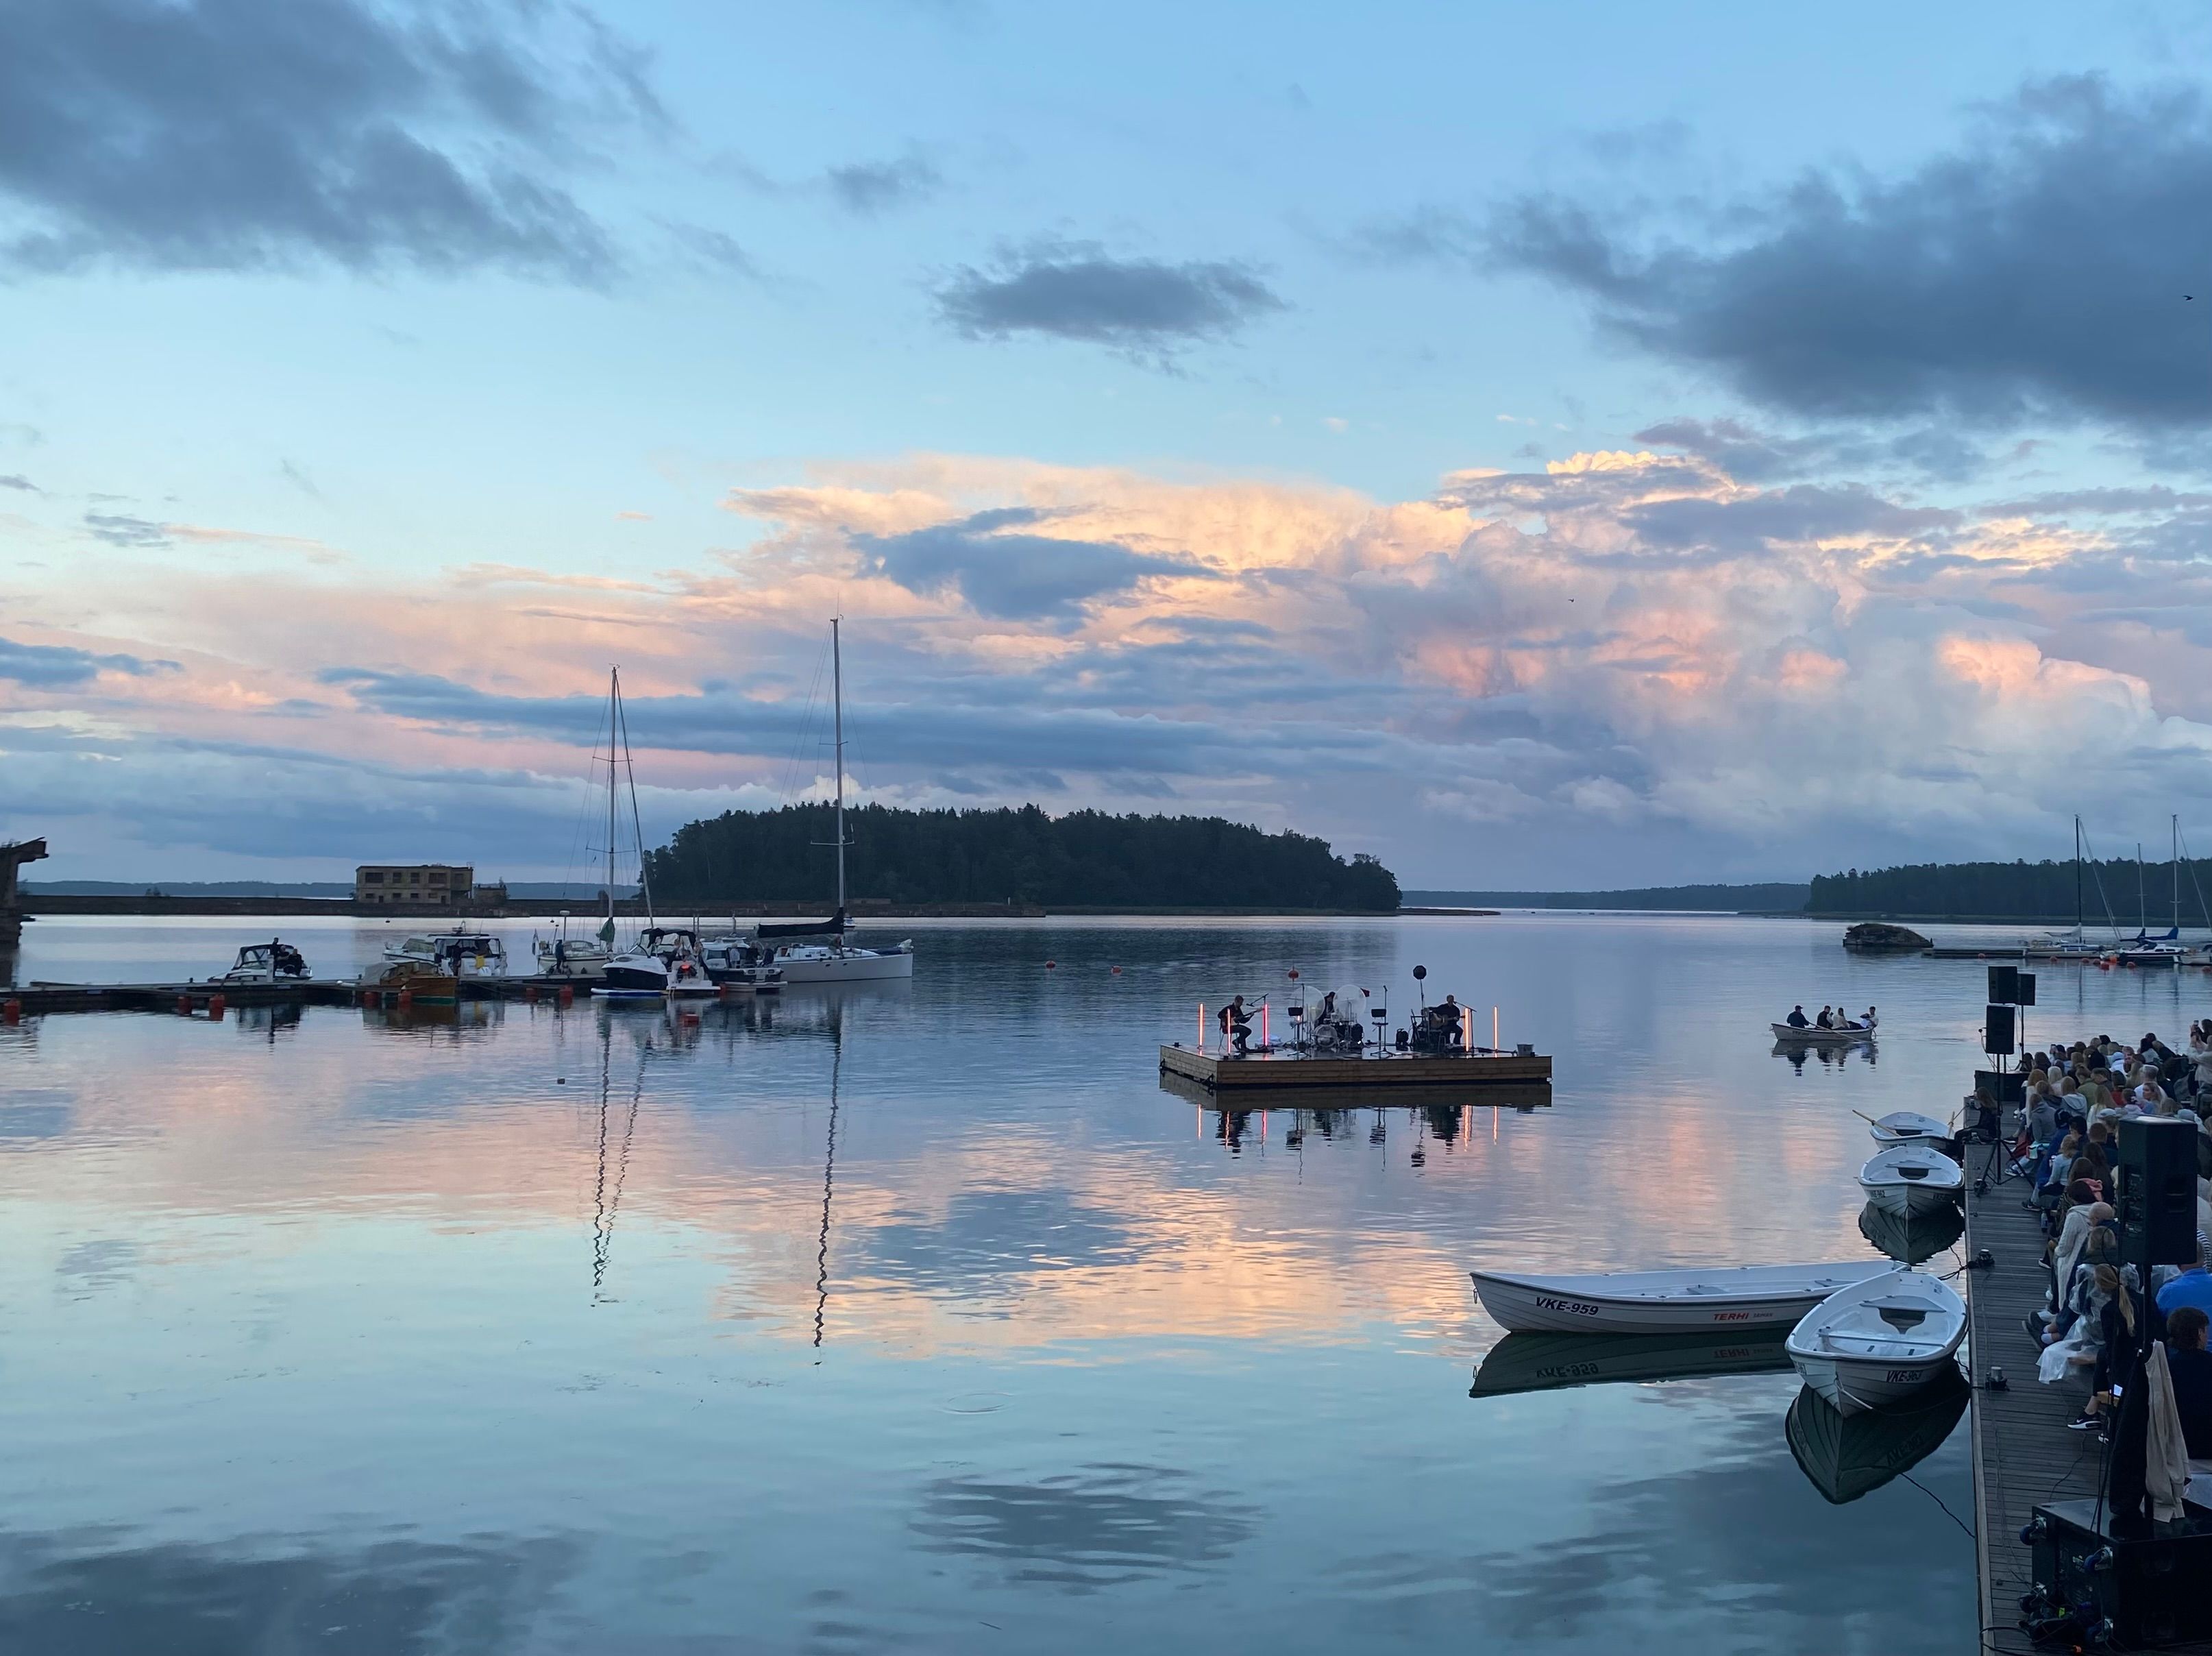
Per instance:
x=457, y=953
x=1909, y=1180
x=1813, y=1035
x=574, y=953
x=1879, y=1340
x=1907, y=1126
x=1664, y=1301
x=739, y=964
x=665, y=962
x=273, y=962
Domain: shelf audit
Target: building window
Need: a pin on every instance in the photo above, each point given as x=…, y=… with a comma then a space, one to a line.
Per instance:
x=375, y=876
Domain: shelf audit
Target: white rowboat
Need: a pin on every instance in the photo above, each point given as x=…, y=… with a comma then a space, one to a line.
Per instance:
x=1664, y=1301
x=1911, y=1180
x=1879, y=1340
x=1813, y=1035
x=1906, y=1127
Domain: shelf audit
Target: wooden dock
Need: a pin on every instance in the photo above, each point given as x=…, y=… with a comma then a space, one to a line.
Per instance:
x=2024, y=1457
x=37, y=999
x=1355, y=1080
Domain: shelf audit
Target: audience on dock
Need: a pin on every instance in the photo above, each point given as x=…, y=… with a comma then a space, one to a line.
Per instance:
x=2073, y=1096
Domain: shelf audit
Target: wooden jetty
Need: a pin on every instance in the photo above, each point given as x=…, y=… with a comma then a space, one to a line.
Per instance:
x=195, y=995
x=1358, y=1079
x=2024, y=1457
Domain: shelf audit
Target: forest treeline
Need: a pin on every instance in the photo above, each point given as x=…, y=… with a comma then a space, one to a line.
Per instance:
x=1085, y=859
x=2023, y=890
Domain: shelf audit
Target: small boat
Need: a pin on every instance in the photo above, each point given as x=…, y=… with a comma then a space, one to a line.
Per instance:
x=666, y=963
x=573, y=954
x=1913, y=1239
x=1846, y=1456
x=272, y=962
x=739, y=964
x=1545, y=1362
x=420, y=983
x=1813, y=1035
x=1906, y=1127
x=1878, y=1340
x=1908, y=1180
x=1664, y=1301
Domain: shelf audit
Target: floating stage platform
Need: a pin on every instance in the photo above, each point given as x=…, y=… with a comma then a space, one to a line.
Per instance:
x=1284, y=1077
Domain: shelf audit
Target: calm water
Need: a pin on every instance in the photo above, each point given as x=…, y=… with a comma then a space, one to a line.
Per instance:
x=919, y=1318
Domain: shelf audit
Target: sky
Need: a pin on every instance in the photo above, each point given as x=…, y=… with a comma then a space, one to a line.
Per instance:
x=1566, y=446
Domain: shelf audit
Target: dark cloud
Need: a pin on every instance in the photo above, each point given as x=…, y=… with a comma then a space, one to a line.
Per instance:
x=1074, y=290
x=992, y=728
x=1802, y=512
x=1750, y=455
x=868, y=188
x=1012, y=576
x=15, y=480
x=244, y=134
x=2036, y=272
x=48, y=665
x=121, y=529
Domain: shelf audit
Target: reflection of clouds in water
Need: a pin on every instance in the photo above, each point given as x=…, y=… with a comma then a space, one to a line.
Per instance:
x=33, y=1112
x=1086, y=1531
x=98, y=1264
x=1742, y=1534
x=393, y=1598
x=990, y=1239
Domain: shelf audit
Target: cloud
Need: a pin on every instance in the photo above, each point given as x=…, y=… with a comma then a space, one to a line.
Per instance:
x=15, y=480
x=867, y=189
x=257, y=134
x=1010, y=575
x=121, y=529
x=2036, y=272
x=1075, y=290
x=47, y=666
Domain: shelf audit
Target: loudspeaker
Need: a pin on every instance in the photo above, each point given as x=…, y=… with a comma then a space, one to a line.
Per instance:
x=2157, y=1168
x=2005, y=1086
x=2025, y=995
x=2004, y=986
x=2092, y=1585
x=1996, y=1026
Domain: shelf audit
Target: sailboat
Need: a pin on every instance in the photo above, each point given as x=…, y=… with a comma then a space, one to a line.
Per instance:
x=664, y=962
x=2074, y=945
x=816, y=950
x=2143, y=949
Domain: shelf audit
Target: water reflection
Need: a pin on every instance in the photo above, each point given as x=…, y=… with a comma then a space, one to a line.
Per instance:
x=1912, y=1241
x=86, y=1595
x=1100, y=1527
x=1543, y=1362
x=1831, y=1055
x=1848, y=1456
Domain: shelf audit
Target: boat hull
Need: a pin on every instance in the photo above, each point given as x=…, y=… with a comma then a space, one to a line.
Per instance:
x=865, y=967
x=1856, y=1385
x=1534, y=1305
x=1813, y=1037
x=1909, y=1201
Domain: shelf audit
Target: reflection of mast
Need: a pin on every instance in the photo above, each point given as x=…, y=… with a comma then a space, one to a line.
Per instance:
x=605, y=1205
x=829, y=1175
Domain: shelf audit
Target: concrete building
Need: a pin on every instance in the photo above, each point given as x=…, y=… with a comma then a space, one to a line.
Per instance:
x=415, y=885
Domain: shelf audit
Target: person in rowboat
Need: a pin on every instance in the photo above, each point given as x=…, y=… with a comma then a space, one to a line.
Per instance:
x=1826, y=1021
x=1796, y=1018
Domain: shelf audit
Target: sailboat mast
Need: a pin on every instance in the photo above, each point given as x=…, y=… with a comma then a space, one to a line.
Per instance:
x=837, y=696
x=2142, y=903
x=614, y=697
x=2078, y=879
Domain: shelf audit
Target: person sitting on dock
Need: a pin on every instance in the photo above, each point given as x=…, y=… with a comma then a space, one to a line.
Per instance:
x=1797, y=1019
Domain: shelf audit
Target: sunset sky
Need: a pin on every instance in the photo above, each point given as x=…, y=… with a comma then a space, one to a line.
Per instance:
x=1564, y=445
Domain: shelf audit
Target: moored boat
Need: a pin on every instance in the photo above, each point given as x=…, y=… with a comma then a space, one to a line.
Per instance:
x=273, y=962
x=420, y=983
x=1907, y=1126
x=1664, y=1301
x=1878, y=1340
x=458, y=952
x=1911, y=1180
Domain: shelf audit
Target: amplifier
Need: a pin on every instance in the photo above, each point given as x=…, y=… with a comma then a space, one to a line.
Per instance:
x=2094, y=1587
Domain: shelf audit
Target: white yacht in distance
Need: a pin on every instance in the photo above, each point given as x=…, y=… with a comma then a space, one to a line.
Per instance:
x=815, y=951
